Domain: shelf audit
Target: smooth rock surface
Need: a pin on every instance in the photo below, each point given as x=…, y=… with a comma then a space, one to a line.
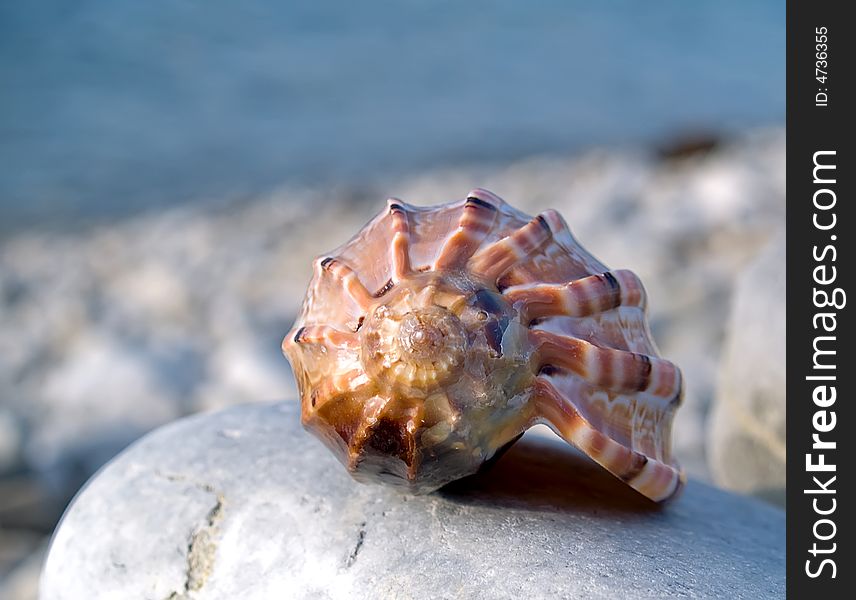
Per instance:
x=747, y=430
x=244, y=504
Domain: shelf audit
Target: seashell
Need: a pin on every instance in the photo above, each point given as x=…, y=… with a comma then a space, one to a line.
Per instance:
x=436, y=336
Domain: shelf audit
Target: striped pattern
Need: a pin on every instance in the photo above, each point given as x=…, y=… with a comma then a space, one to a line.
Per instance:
x=477, y=220
x=650, y=477
x=555, y=223
x=608, y=368
x=580, y=298
x=400, y=248
x=597, y=378
x=494, y=260
x=348, y=279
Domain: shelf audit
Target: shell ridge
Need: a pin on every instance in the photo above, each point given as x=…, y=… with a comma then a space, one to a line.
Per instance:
x=618, y=370
x=400, y=247
x=477, y=219
x=496, y=259
x=578, y=298
x=655, y=479
x=347, y=278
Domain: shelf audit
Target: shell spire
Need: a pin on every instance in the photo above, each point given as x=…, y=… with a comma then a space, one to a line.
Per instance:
x=437, y=335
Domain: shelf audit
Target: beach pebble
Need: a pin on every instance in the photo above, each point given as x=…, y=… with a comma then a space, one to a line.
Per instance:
x=747, y=429
x=244, y=504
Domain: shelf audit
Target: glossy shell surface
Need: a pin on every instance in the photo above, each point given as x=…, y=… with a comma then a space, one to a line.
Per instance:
x=437, y=335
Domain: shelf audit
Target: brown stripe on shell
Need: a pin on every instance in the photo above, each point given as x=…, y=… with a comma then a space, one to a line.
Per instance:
x=654, y=479
x=608, y=368
x=658, y=481
x=348, y=279
x=494, y=260
x=632, y=292
x=476, y=221
x=551, y=405
x=555, y=253
x=666, y=381
x=637, y=464
x=580, y=298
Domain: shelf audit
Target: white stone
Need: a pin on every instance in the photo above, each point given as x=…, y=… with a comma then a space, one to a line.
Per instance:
x=244, y=504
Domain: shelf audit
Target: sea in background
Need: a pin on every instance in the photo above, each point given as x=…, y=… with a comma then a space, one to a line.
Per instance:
x=111, y=107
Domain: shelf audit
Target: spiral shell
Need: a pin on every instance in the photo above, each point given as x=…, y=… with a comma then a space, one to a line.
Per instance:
x=436, y=336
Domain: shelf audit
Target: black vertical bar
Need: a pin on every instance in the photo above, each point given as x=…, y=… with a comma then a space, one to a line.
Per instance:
x=821, y=57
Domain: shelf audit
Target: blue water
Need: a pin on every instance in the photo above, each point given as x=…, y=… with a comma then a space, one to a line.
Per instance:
x=112, y=106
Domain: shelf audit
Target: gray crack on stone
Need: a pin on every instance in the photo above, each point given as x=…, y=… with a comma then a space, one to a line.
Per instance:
x=202, y=546
x=361, y=536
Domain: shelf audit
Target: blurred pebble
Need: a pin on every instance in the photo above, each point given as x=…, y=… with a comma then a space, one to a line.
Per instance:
x=747, y=430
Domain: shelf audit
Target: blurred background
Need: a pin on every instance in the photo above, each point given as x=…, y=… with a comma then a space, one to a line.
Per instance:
x=168, y=170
